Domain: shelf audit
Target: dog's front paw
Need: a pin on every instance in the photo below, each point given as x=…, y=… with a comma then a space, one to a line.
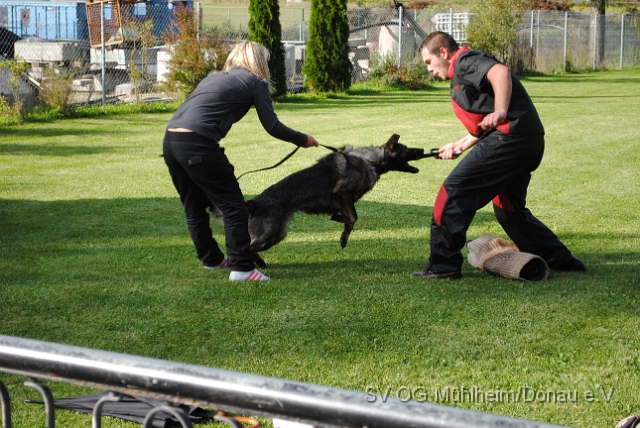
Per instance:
x=344, y=239
x=348, y=227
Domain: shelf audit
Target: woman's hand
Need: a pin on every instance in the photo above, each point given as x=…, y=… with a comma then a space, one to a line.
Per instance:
x=311, y=142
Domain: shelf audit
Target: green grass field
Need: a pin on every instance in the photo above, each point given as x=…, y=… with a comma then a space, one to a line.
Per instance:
x=94, y=252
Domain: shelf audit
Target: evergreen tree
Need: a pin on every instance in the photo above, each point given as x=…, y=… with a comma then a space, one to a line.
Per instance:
x=265, y=28
x=327, y=66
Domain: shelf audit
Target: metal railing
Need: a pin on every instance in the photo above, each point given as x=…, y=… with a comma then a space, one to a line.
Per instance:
x=221, y=389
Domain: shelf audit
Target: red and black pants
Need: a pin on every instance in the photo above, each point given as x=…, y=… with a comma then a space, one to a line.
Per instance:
x=498, y=169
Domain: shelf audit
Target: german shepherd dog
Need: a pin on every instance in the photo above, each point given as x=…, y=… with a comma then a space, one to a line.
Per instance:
x=331, y=186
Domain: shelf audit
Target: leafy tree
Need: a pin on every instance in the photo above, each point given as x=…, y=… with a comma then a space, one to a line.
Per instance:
x=493, y=28
x=194, y=55
x=264, y=28
x=327, y=66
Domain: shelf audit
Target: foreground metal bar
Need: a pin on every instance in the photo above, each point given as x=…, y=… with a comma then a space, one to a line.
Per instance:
x=179, y=414
x=47, y=396
x=6, y=406
x=96, y=416
x=232, y=391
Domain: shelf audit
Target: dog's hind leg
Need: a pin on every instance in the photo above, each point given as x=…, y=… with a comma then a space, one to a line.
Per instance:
x=259, y=260
x=349, y=215
x=338, y=217
x=266, y=231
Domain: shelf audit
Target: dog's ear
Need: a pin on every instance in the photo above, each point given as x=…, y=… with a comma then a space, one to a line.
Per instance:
x=391, y=144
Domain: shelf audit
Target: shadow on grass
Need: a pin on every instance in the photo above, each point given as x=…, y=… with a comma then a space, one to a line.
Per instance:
x=98, y=218
x=30, y=227
x=80, y=133
x=437, y=95
x=582, y=97
x=100, y=125
x=595, y=78
x=53, y=150
x=90, y=218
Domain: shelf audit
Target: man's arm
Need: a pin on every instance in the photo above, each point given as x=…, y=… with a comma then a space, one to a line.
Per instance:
x=449, y=151
x=499, y=77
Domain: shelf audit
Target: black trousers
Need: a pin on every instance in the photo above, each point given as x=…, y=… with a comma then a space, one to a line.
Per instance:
x=203, y=176
x=498, y=168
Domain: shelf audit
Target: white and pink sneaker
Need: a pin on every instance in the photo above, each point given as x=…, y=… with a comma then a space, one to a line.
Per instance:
x=223, y=264
x=252, y=275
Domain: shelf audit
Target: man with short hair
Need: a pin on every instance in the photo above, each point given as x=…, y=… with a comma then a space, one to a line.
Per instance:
x=505, y=129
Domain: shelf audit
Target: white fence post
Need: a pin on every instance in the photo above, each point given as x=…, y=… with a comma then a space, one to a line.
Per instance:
x=566, y=30
x=595, y=41
x=538, y=35
x=198, y=8
x=621, y=39
x=531, y=44
x=104, y=55
x=400, y=9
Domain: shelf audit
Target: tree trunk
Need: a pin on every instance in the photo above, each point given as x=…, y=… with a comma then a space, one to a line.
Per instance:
x=596, y=32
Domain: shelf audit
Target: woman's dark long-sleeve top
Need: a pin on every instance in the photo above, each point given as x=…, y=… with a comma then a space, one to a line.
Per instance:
x=223, y=98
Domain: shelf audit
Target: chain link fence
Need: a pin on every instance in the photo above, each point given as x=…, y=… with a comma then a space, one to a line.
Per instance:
x=564, y=41
x=65, y=38
x=548, y=41
x=105, y=50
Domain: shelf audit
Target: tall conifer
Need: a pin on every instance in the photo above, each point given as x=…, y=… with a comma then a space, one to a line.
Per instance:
x=327, y=66
x=265, y=28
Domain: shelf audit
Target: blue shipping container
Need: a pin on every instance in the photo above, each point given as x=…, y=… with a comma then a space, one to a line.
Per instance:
x=68, y=20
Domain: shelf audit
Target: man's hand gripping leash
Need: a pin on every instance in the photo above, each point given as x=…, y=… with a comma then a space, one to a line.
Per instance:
x=435, y=153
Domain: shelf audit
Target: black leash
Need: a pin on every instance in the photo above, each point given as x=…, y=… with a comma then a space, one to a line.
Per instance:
x=333, y=149
x=435, y=153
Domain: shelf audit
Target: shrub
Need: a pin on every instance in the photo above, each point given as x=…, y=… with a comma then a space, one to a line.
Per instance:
x=412, y=76
x=55, y=90
x=374, y=3
x=194, y=55
x=8, y=114
x=419, y=4
x=14, y=110
x=551, y=5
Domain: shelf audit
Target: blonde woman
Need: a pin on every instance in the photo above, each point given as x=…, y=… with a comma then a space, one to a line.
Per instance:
x=201, y=172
